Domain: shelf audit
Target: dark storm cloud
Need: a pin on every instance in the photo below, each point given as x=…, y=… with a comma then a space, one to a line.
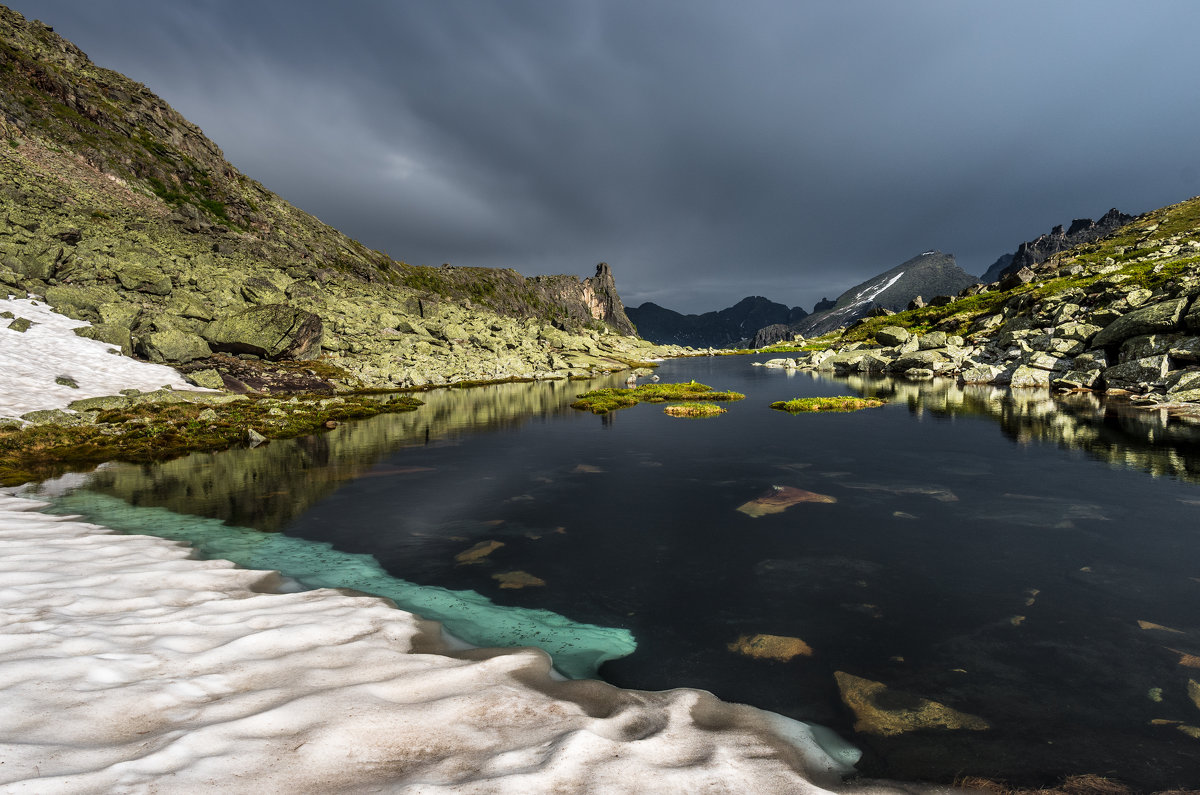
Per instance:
x=706, y=150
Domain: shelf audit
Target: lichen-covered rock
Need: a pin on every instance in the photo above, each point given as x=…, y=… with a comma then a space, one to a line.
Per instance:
x=1026, y=376
x=932, y=340
x=980, y=374
x=208, y=379
x=1134, y=374
x=172, y=345
x=274, y=331
x=80, y=302
x=144, y=279
x=1164, y=316
x=21, y=324
x=1078, y=379
x=892, y=335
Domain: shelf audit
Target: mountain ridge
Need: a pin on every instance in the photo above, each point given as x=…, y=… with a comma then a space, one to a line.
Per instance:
x=119, y=211
x=734, y=326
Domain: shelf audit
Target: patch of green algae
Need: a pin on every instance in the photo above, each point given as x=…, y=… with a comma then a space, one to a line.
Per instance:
x=160, y=432
x=835, y=404
x=602, y=401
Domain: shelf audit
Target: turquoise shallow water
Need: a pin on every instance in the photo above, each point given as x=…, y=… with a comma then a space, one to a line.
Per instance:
x=975, y=548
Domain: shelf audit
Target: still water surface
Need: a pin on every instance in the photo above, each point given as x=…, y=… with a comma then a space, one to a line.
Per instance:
x=980, y=550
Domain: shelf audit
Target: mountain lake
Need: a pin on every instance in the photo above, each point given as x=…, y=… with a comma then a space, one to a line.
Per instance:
x=983, y=582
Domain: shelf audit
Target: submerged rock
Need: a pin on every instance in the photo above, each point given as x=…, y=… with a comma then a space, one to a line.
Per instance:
x=478, y=552
x=770, y=647
x=518, y=579
x=885, y=712
x=779, y=498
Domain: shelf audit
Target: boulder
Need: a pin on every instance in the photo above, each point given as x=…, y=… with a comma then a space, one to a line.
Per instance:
x=172, y=345
x=1132, y=375
x=1181, y=382
x=1192, y=321
x=921, y=360
x=106, y=332
x=1025, y=377
x=932, y=340
x=1144, y=345
x=1044, y=361
x=1186, y=350
x=260, y=290
x=1078, y=379
x=274, y=331
x=980, y=374
x=80, y=302
x=1165, y=316
x=1022, y=276
x=21, y=324
x=143, y=279
x=1083, y=332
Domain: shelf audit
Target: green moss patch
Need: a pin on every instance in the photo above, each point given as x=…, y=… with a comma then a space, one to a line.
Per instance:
x=602, y=401
x=838, y=404
x=155, y=432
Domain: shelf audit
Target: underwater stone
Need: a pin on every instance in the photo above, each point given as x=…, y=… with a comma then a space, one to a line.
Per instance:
x=770, y=647
x=885, y=712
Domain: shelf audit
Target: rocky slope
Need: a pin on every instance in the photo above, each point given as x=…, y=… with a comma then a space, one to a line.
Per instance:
x=732, y=327
x=119, y=211
x=1041, y=248
x=929, y=274
x=1117, y=315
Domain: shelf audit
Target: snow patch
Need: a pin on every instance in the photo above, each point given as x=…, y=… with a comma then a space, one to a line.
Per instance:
x=126, y=665
x=33, y=359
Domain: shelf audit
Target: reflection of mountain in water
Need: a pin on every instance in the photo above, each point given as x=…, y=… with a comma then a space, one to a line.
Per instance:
x=1114, y=431
x=268, y=486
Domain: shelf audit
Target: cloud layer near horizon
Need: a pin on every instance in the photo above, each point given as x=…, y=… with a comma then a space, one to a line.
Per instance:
x=706, y=150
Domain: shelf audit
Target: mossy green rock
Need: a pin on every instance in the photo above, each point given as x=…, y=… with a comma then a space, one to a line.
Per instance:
x=20, y=324
x=145, y=280
x=86, y=301
x=172, y=345
x=51, y=416
x=208, y=379
x=113, y=335
x=274, y=331
x=104, y=403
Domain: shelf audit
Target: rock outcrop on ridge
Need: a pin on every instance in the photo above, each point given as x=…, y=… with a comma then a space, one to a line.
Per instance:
x=121, y=212
x=1041, y=248
x=929, y=274
x=1119, y=315
x=732, y=327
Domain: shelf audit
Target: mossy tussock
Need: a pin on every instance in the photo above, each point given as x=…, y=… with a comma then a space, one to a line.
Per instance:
x=153, y=432
x=694, y=410
x=841, y=403
x=602, y=401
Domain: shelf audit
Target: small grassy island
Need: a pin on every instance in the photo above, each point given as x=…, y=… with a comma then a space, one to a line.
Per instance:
x=602, y=401
x=841, y=403
x=694, y=410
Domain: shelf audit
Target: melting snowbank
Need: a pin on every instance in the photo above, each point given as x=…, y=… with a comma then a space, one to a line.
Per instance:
x=577, y=649
x=32, y=359
x=127, y=665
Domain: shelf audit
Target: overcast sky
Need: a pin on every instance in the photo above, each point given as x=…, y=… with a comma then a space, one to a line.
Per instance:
x=706, y=150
